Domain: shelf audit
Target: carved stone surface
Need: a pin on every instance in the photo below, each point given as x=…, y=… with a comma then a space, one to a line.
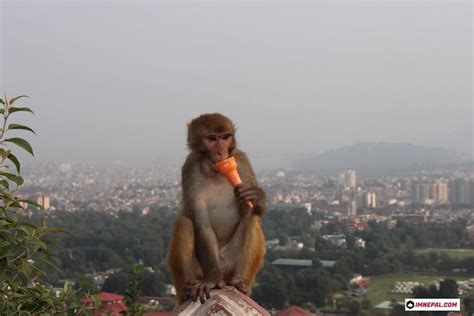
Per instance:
x=225, y=302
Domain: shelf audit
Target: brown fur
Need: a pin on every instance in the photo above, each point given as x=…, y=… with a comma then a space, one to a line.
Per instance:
x=182, y=258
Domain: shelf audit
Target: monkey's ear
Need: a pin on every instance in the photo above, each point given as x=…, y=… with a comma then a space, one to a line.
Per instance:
x=194, y=135
x=190, y=133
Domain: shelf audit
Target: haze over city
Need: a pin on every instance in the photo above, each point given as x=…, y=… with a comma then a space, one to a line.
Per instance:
x=120, y=80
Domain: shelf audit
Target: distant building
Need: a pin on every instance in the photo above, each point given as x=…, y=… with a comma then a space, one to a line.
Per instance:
x=472, y=192
x=360, y=243
x=277, y=198
x=370, y=200
x=421, y=191
x=337, y=240
x=440, y=192
x=272, y=243
x=110, y=304
x=327, y=263
x=429, y=192
x=292, y=264
x=352, y=208
x=391, y=223
x=280, y=174
x=46, y=202
x=470, y=232
x=170, y=290
x=355, y=224
x=65, y=167
x=43, y=201
x=461, y=191
x=351, y=179
x=308, y=207
x=358, y=281
x=348, y=180
x=294, y=311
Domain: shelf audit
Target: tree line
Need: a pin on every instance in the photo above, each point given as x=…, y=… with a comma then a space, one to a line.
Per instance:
x=96, y=241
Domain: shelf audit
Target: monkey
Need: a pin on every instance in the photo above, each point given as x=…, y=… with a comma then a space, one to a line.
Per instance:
x=217, y=240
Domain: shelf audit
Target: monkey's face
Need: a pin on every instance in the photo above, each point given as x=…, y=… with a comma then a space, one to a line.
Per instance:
x=217, y=145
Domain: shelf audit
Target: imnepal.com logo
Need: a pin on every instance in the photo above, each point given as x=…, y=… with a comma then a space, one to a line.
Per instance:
x=432, y=304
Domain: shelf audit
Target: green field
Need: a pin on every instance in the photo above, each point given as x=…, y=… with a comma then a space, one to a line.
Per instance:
x=452, y=253
x=380, y=286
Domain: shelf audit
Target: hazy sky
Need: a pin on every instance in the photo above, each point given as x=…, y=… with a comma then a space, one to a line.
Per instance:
x=115, y=80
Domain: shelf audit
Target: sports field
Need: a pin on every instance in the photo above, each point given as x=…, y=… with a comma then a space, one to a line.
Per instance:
x=380, y=286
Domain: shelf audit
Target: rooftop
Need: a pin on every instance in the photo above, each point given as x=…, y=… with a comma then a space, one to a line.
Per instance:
x=293, y=262
x=105, y=297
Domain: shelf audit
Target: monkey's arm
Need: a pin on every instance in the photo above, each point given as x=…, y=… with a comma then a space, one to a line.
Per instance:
x=249, y=190
x=207, y=250
x=195, y=208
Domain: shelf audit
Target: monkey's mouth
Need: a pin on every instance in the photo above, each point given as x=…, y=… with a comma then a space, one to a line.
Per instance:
x=220, y=156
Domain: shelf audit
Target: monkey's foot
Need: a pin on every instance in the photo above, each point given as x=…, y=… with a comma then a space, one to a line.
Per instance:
x=238, y=282
x=199, y=289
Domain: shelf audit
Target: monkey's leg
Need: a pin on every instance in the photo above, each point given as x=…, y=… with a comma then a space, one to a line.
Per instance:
x=182, y=258
x=247, y=249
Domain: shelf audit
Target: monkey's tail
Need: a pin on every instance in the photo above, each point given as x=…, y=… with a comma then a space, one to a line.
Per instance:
x=254, y=250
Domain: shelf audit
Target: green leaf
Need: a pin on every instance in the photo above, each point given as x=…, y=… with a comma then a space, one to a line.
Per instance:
x=37, y=269
x=4, y=153
x=96, y=300
x=12, y=100
x=6, y=195
x=13, y=177
x=16, y=204
x=2, y=102
x=22, y=143
x=5, y=183
x=15, y=162
x=22, y=109
x=22, y=229
x=18, y=126
x=30, y=202
x=27, y=224
x=2, y=111
x=14, y=285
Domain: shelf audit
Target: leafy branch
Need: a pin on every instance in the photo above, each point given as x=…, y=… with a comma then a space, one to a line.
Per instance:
x=24, y=248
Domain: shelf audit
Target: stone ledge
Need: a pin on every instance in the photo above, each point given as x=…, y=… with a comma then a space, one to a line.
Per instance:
x=225, y=302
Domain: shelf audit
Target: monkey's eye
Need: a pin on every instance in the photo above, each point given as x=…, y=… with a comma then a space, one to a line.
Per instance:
x=226, y=136
x=212, y=138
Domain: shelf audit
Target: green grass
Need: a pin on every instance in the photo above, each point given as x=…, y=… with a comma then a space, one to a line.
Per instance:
x=452, y=253
x=380, y=286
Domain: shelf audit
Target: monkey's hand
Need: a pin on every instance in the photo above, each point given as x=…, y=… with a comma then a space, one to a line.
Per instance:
x=201, y=290
x=245, y=192
x=238, y=282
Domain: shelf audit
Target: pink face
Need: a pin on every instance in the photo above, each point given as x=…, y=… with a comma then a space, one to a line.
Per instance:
x=217, y=145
